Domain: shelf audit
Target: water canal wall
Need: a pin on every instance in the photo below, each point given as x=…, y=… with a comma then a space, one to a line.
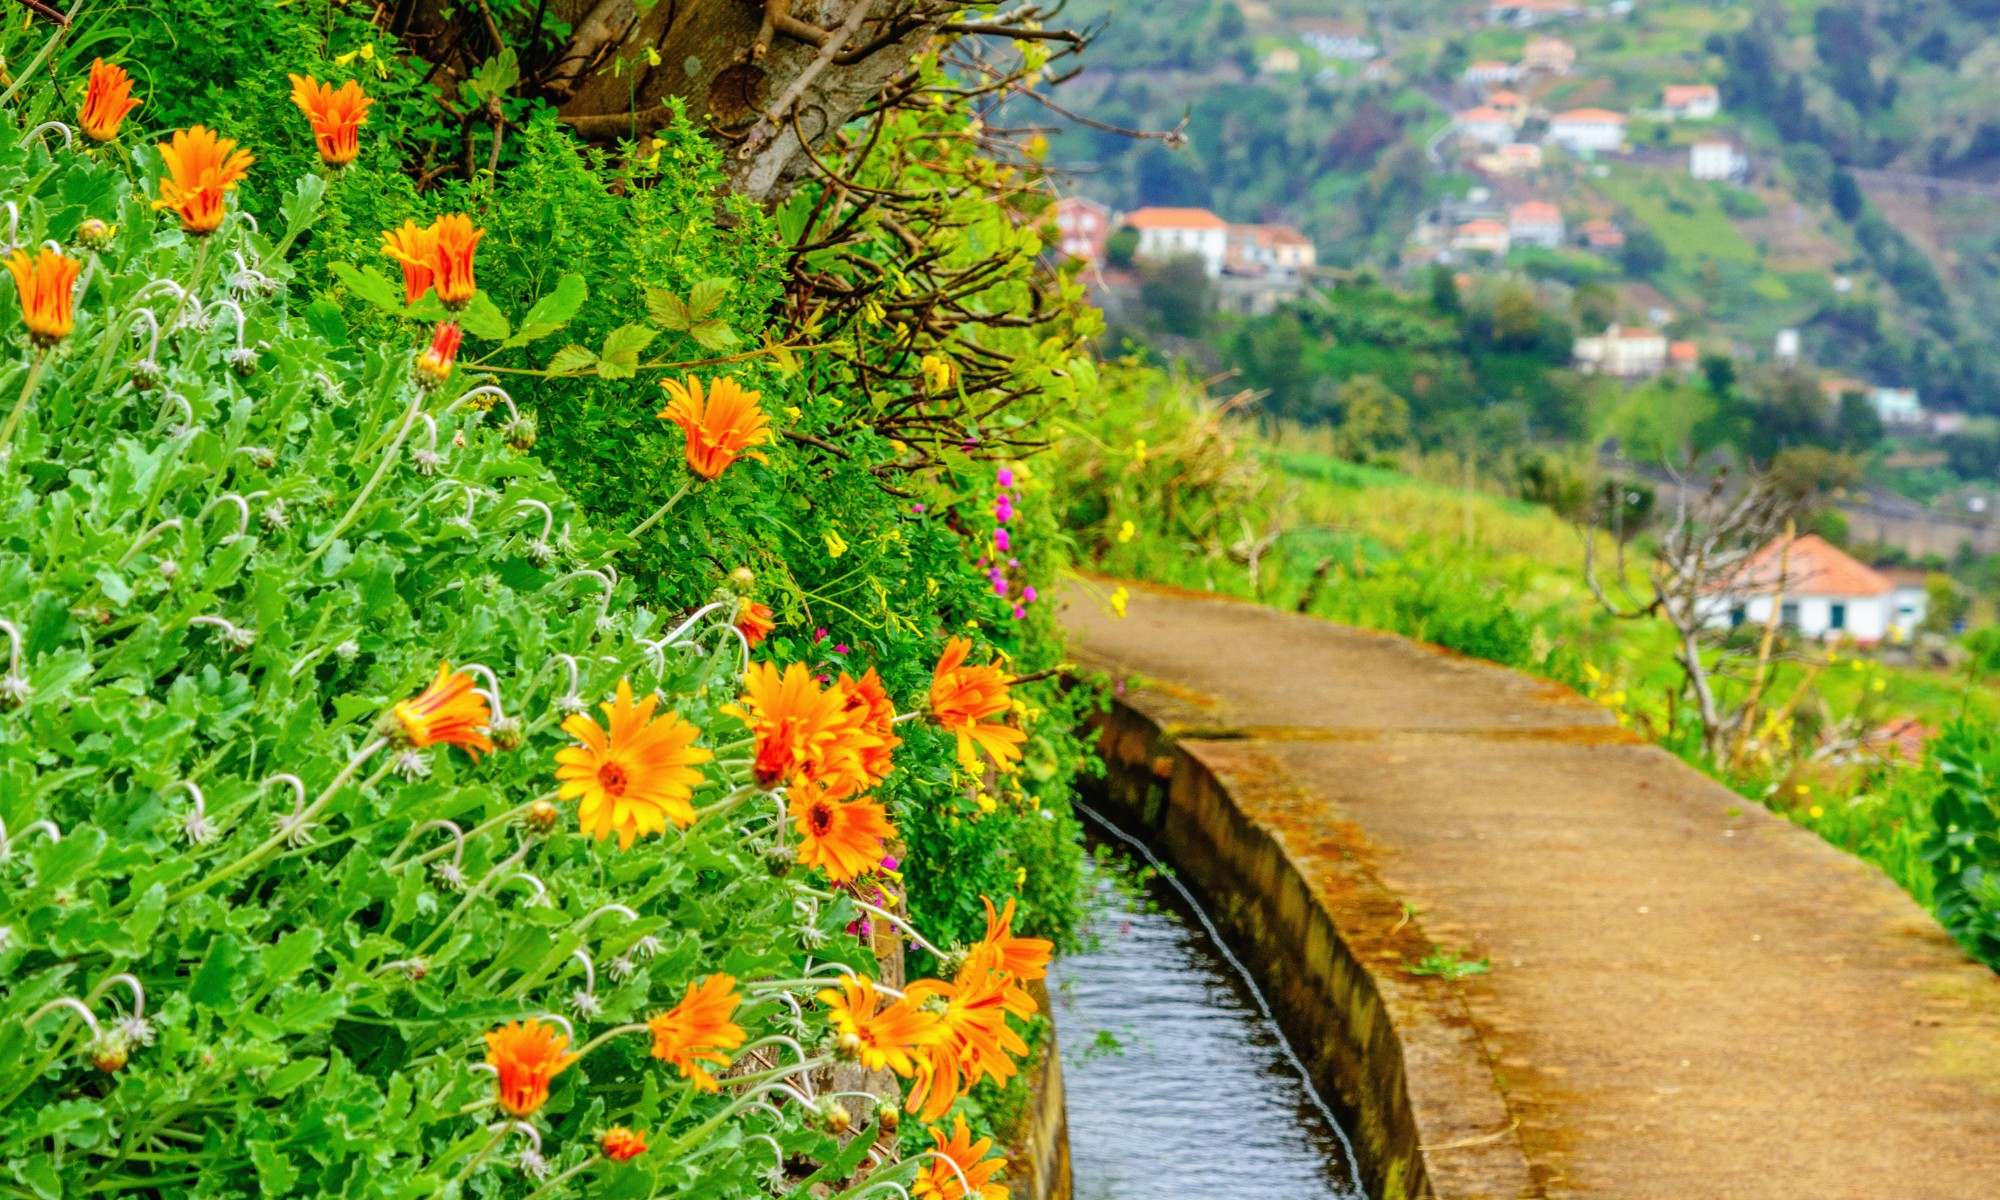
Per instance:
x=1395, y=1054
x=1038, y=1153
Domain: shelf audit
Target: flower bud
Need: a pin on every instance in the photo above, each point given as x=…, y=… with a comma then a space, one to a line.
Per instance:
x=146, y=375
x=835, y=1118
x=888, y=1117
x=506, y=732
x=847, y=1047
x=620, y=1144
x=109, y=1053
x=742, y=580
x=434, y=365
x=243, y=361
x=94, y=232
x=520, y=433
x=541, y=817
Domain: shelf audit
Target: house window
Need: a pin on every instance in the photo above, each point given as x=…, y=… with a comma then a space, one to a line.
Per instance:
x=1788, y=614
x=1836, y=616
x=1738, y=615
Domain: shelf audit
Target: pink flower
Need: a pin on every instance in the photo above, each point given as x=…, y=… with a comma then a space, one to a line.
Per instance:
x=1028, y=594
x=1003, y=540
x=1000, y=586
x=1019, y=612
x=1006, y=477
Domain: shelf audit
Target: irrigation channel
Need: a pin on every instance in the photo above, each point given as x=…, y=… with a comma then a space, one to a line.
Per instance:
x=1199, y=1097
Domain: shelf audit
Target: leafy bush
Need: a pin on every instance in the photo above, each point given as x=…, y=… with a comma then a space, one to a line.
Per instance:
x=242, y=534
x=1963, y=845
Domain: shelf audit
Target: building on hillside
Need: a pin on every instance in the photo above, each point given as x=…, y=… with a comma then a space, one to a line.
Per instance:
x=1377, y=70
x=1786, y=346
x=1515, y=158
x=1484, y=235
x=1691, y=102
x=1683, y=357
x=1536, y=223
x=1549, y=55
x=1820, y=590
x=1345, y=47
x=1718, y=160
x=1632, y=352
x=1083, y=227
x=1898, y=407
x=1526, y=13
x=1487, y=125
x=1488, y=72
x=1511, y=104
x=1588, y=130
x=1598, y=233
x=1943, y=423
x=1268, y=250
x=1166, y=233
x=1282, y=60
x=1835, y=387
x=1910, y=601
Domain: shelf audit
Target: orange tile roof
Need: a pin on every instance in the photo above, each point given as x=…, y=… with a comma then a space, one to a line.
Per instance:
x=1902, y=738
x=1681, y=93
x=1683, y=351
x=1482, y=225
x=1816, y=568
x=1591, y=115
x=1482, y=113
x=1534, y=211
x=1174, y=218
x=1503, y=97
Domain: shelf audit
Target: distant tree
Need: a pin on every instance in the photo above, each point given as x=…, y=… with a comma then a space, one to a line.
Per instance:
x=1788, y=412
x=1373, y=419
x=1643, y=255
x=1121, y=246
x=1178, y=291
x=1595, y=305
x=1230, y=25
x=1845, y=195
x=1517, y=319
x=1857, y=426
x=1945, y=604
x=1271, y=356
x=1451, y=61
x=1719, y=371
x=1444, y=290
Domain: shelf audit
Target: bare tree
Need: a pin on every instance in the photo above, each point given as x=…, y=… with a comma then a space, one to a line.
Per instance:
x=1702, y=544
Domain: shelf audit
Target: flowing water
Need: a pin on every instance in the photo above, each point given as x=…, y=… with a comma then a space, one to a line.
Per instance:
x=1200, y=1098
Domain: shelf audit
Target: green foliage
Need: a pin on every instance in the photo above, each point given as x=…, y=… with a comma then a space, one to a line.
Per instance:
x=1963, y=846
x=1449, y=964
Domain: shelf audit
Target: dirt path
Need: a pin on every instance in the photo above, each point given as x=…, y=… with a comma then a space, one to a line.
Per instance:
x=1690, y=997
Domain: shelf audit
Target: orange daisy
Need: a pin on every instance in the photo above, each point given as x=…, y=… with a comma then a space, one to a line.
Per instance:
x=939, y=1179
x=699, y=1029
x=963, y=697
x=457, y=238
x=202, y=169
x=1000, y=952
x=448, y=711
x=620, y=1144
x=526, y=1057
x=719, y=430
x=434, y=365
x=47, y=283
x=635, y=777
x=106, y=101
x=868, y=706
x=336, y=116
x=978, y=1042
x=802, y=731
x=754, y=622
x=886, y=1038
x=843, y=836
x=415, y=250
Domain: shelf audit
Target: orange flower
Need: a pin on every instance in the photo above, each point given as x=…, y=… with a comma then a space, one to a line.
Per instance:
x=525, y=1057
x=336, y=116
x=1002, y=953
x=868, y=706
x=415, y=249
x=887, y=1038
x=447, y=711
x=719, y=430
x=968, y=1165
x=978, y=1042
x=634, y=778
x=46, y=282
x=699, y=1029
x=802, y=731
x=844, y=836
x=434, y=364
x=620, y=1144
x=754, y=622
x=457, y=238
x=202, y=169
x=963, y=697
x=106, y=101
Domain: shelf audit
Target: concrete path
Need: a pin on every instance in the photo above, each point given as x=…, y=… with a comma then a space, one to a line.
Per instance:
x=1690, y=998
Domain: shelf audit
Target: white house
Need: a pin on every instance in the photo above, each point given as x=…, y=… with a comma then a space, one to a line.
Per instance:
x=1587, y=130
x=1482, y=235
x=1282, y=60
x=1691, y=102
x=1487, y=125
x=1524, y=13
x=1489, y=71
x=1344, y=46
x=1717, y=160
x=1166, y=233
x=1515, y=159
x=1624, y=353
x=1536, y=223
x=1897, y=406
x=1909, y=601
x=1269, y=250
x=1821, y=591
x=1550, y=55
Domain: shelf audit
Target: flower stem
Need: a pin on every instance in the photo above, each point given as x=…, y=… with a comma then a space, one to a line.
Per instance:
x=381, y=469
x=663, y=510
x=607, y=1035
x=552, y=1184
x=21, y=405
x=48, y=48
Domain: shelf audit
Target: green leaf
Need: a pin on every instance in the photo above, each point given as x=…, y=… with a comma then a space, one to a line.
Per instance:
x=284, y=960
x=713, y=335
x=620, y=357
x=561, y=304
x=707, y=296
x=291, y=1075
x=495, y=77
x=274, y=1170
x=668, y=310
x=483, y=319
x=323, y=318
x=218, y=974
x=302, y=207
x=571, y=359
x=371, y=285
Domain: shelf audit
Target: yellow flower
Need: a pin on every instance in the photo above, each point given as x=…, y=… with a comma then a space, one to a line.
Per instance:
x=1816, y=812
x=1126, y=531
x=1118, y=599
x=1878, y=685
x=835, y=545
x=634, y=778
x=988, y=804
x=1139, y=452
x=202, y=169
